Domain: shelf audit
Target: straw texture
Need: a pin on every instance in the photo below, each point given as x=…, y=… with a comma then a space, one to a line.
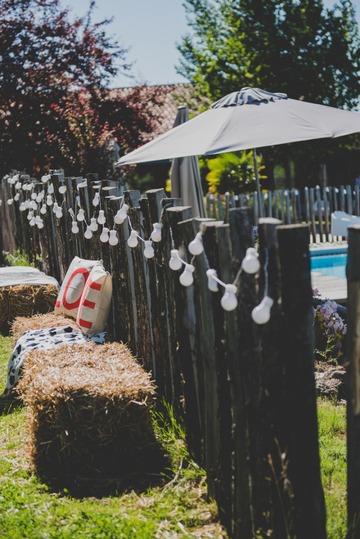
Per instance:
x=89, y=415
x=39, y=321
x=25, y=300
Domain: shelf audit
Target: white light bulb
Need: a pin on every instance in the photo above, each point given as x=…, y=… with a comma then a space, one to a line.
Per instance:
x=49, y=200
x=59, y=213
x=149, y=250
x=113, y=239
x=40, y=224
x=250, y=263
x=55, y=207
x=186, y=278
x=18, y=185
x=10, y=201
x=104, y=237
x=50, y=189
x=156, y=233
x=121, y=214
x=212, y=284
x=74, y=228
x=175, y=262
x=45, y=178
x=32, y=221
x=33, y=205
x=33, y=196
x=16, y=197
x=43, y=209
x=96, y=199
x=30, y=215
x=229, y=300
x=81, y=215
x=196, y=246
x=133, y=239
x=119, y=217
x=88, y=234
x=101, y=219
x=261, y=313
x=23, y=206
x=93, y=224
x=62, y=189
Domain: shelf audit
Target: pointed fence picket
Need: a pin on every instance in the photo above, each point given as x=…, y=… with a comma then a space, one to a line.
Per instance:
x=312, y=206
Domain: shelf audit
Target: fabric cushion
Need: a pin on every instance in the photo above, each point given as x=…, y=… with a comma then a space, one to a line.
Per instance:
x=95, y=301
x=69, y=296
x=42, y=339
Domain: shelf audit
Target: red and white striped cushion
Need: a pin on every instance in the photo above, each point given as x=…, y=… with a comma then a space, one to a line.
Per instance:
x=71, y=290
x=95, y=301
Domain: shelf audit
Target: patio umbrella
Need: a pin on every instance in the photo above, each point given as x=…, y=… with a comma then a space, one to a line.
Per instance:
x=248, y=119
x=185, y=175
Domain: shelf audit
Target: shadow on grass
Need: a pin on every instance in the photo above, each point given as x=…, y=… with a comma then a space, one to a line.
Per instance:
x=9, y=402
x=106, y=473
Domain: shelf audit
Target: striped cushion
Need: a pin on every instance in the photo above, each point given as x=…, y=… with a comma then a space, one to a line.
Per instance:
x=95, y=301
x=68, y=300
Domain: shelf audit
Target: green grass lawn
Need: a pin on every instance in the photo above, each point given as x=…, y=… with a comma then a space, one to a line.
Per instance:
x=332, y=439
x=29, y=510
x=177, y=508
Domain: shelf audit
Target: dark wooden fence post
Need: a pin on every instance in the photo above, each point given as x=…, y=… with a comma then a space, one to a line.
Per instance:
x=233, y=241
x=269, y=392
x=176, y=294
x=300, y=440
x=353, y=404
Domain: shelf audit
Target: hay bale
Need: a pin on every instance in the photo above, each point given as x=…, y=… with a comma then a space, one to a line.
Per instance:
x=89, y=416
x=45, y=298
x=25, y=300
x=4, y=306
x=39, y=321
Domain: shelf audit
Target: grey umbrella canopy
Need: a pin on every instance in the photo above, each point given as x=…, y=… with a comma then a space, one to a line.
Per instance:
x=248, y=119
x=185, y=176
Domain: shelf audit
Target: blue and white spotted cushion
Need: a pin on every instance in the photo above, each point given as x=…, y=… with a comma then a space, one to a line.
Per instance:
x=43, y=339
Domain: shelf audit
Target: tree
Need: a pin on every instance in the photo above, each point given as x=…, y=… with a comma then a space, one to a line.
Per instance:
x=55, y=107
x=290, y=46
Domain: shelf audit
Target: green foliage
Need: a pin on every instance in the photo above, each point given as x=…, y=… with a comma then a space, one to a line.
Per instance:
x=298, y=48
x=232, y=172
x=18, y=259
x=29, y=509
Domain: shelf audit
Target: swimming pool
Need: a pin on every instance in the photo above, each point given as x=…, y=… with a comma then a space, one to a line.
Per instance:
x=329, y=262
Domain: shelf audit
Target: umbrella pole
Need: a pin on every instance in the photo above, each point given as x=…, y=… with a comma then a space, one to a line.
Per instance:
x=258, y=189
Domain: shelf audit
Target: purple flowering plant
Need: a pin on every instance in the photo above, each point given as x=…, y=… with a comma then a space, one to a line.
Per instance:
x=330, y=329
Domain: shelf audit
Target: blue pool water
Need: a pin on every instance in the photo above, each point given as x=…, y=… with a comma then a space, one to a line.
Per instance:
x=331, y=263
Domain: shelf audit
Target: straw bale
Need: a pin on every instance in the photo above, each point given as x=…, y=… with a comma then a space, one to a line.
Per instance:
x=89, y=415
x=4, y=305
x=25, y=300
x=39, y=321
x=45, y=298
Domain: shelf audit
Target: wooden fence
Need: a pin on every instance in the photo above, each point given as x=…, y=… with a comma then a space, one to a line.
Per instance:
x=312, y=206
x=245, y=392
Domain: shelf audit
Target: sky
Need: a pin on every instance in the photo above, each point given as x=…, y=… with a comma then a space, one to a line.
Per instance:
x=150, y=29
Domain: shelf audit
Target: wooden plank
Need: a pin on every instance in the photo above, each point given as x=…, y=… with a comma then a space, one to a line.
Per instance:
x=353, y=401
x=238, y=354
x=300, y=428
